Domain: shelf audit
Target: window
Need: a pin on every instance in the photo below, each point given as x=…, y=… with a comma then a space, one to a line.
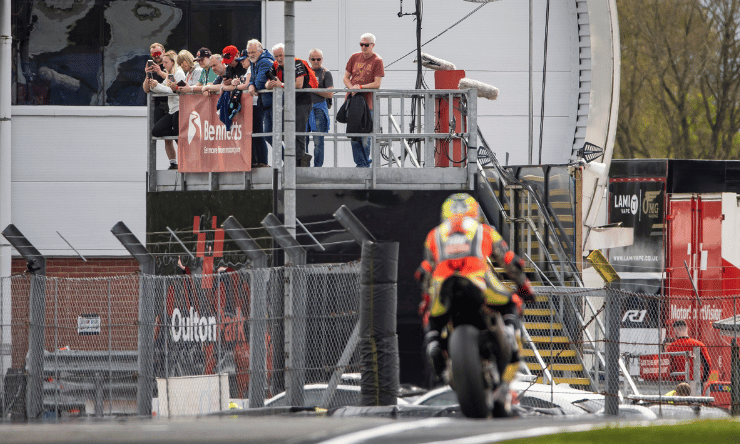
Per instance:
x=93, y=52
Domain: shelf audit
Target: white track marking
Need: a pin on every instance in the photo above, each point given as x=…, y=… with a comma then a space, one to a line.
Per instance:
x=390, y=429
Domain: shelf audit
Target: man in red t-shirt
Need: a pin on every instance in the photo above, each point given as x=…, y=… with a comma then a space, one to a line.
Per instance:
x=364, y=70
x=684, y=343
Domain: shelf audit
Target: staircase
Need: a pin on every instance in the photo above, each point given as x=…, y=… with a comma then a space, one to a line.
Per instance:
x=534, y=211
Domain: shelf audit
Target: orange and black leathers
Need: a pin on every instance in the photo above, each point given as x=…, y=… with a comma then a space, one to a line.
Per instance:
x=460, y=247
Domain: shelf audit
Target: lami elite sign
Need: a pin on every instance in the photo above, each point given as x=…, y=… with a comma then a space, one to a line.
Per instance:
x=205, y=145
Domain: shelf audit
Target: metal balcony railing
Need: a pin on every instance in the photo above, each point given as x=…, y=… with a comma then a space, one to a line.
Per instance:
x=403, y=144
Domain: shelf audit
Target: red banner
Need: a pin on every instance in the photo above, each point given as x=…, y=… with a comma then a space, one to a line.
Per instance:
x=204, y=145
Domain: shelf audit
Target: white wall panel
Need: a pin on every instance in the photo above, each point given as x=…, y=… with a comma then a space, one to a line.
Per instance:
x=83, y=212
x=92, y=144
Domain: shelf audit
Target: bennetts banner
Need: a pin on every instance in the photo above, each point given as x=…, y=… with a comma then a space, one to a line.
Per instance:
x=204, y=144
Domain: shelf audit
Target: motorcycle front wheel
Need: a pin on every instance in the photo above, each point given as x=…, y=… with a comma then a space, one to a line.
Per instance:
x=467, y=372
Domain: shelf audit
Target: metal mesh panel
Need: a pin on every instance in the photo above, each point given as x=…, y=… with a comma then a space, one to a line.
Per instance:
x=566, y=336
x=203, y=343
x=331, y=313
x=212, y=352
x=14, y=342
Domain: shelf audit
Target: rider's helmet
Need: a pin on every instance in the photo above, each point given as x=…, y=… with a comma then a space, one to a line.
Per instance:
x=460, y=204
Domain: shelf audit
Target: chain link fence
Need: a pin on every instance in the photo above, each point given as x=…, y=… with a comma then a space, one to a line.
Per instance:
x=287, y=336
x=217, y=341
x=663, y=342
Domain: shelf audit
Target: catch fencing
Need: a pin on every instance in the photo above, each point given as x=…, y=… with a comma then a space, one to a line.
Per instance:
x=219, y=340
x=569, y=330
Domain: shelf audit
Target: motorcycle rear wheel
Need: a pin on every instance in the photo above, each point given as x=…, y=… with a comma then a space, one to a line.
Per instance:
x=467, y=372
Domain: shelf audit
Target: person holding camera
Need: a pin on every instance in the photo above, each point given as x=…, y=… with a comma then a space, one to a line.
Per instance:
x=155, y=69
x=168, y=125
x=186, y=62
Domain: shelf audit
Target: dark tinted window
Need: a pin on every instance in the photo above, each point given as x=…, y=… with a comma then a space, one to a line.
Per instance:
x=93, y=52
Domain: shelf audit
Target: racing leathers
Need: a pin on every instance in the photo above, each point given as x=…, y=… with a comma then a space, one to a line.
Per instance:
x=460, y=247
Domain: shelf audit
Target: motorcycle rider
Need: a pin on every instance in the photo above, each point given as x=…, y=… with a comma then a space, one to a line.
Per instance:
x=459, y=247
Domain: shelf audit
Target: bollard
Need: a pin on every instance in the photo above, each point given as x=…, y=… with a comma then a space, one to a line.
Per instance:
x=378, y=339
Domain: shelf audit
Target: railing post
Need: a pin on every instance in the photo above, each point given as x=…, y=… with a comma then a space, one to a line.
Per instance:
x=472, y=144
x=295, y=310
x=375, y=143
x=151, y=162
x=145, y=381
x=258, y=285
x=36, y=319
x=696, y=380
x=429, y=142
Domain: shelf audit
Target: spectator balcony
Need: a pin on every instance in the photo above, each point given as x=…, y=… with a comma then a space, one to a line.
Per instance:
x=415, y=133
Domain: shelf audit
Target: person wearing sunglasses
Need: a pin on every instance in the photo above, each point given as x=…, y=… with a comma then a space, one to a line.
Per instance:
x=318, y=120
x=161, y=104
x=364, y=70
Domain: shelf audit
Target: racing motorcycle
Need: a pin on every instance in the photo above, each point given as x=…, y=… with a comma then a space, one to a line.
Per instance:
x=477, y=351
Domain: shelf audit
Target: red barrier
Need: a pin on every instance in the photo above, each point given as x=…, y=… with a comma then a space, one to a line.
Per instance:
x=204, y=145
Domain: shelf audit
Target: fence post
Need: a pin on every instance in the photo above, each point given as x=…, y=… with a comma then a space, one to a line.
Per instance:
x=378, y=339
x=735, y=377
x=295, y=310
x=257, y=309
x=613, y=312
x=145, y=380
x=361, y=234
x=36, y=319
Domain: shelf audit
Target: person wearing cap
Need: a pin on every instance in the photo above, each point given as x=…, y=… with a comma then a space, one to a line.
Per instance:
x=234, y=69
x=207, y=75
x=683, y=343
x=261, y=61
x=302, y=99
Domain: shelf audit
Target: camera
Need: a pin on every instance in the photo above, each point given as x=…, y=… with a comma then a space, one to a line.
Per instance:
x=270, y=75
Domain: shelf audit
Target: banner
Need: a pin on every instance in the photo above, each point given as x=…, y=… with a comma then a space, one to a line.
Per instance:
x=204, y=145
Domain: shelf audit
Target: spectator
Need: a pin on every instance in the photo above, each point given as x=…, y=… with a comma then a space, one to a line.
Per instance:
x=683, y=343
x=219, y=69
x=193, y=73
x=169, y=124
x=207, y=76
x=261, y=61
x=234, y=69
x=161, y=107
x=302, y=99
x=259, y=146
x=318, y=119
x=364, y=70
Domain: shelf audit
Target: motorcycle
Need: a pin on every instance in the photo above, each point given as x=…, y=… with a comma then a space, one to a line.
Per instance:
x=477, y=351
